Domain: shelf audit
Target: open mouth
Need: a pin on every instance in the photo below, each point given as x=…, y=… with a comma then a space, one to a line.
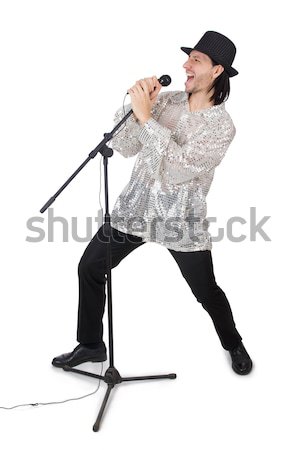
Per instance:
x=189, y=79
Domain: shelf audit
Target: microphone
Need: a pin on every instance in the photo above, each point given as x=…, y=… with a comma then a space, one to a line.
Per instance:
x=164, y=80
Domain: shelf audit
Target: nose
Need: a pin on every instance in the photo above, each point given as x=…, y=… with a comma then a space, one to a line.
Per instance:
x=187, y=65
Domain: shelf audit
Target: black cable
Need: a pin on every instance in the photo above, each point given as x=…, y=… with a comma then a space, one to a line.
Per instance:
x=55, y=403
x=100, y=161
x=123, y=109
x=92, y=393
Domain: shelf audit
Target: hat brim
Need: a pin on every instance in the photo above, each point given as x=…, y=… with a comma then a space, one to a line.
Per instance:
x=230, y=70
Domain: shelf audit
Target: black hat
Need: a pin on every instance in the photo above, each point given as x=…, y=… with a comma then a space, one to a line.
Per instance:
x=218, y=47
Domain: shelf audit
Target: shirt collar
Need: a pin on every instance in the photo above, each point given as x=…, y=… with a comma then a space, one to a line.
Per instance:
x=182, y=98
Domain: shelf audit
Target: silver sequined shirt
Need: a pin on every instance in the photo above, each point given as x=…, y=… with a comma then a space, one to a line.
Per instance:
x=177, y=152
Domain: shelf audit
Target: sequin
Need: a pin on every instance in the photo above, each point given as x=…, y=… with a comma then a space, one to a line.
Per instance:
x=177, y=152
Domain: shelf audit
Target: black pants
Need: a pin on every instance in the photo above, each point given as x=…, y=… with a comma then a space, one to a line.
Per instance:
x=196, y=268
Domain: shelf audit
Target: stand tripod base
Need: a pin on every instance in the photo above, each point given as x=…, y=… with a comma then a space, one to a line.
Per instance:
x=111, y=378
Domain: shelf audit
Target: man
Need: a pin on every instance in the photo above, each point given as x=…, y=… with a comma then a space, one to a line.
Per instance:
x=179, y=137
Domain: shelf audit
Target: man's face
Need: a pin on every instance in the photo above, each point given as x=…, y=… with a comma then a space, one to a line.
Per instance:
x=199, y=71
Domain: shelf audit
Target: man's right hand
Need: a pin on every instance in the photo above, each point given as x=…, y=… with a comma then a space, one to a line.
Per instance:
x=153, y=86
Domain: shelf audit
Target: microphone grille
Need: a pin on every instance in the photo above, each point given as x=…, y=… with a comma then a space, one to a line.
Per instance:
x=165, y=80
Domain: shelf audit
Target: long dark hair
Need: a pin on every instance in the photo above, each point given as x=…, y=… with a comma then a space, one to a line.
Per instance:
x=221, y=87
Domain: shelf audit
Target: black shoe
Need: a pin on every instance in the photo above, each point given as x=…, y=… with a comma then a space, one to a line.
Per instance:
x=241, y=362
x=80, y=355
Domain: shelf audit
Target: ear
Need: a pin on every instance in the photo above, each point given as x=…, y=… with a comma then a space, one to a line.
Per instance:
x=218, y=69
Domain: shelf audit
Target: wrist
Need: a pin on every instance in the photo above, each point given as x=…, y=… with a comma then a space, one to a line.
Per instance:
x=144, y=120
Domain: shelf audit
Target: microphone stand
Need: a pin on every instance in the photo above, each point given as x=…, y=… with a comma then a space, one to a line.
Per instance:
x=111, y=376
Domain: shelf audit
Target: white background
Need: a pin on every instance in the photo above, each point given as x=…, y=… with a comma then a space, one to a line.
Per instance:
x=65, y=67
